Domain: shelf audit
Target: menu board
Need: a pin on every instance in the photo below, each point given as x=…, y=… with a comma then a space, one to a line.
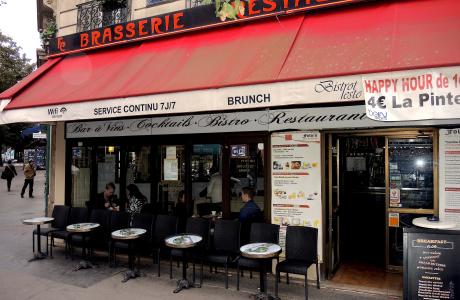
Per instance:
x=431, y=264
x=449, y=177
x=296, y=181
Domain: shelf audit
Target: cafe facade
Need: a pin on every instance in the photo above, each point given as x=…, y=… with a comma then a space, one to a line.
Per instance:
x=316, y=106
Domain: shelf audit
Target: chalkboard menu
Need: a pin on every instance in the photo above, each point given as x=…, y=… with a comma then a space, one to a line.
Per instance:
x=431, y=264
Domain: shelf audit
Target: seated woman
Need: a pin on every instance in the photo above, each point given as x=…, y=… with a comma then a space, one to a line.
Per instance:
x=135, y=199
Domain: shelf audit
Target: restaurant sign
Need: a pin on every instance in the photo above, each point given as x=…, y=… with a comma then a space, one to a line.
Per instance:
x=315, y=118
x=204, y=16
x=413, y=95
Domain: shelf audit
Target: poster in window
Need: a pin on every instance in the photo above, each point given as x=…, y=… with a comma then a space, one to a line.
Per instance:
x=170, y=169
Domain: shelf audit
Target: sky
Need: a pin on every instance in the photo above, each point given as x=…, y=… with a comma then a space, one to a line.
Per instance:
x=18, y=19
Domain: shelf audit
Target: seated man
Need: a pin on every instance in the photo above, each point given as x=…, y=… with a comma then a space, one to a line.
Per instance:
x=250, y=210
x=106, y=199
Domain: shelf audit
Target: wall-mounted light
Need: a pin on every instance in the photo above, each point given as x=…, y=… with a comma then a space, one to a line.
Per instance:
x=111, y=149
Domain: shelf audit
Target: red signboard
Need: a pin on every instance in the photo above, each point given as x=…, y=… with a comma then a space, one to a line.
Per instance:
x=200, y=17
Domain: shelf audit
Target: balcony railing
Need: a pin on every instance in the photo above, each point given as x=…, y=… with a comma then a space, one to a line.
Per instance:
x=195, y=3
x=95, y=14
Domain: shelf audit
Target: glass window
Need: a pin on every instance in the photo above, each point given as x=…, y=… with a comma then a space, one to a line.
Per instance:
x=206, y=175
x=172, y=176
x=81, y=175
x=247, y=168
x=138, y=168
x=108, y=167
x=411, y=172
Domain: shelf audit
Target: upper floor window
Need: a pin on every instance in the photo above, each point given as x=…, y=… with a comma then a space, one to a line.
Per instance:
x=101, y=13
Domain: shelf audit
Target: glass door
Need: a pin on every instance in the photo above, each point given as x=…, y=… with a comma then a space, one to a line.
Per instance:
x=172, y=180
x=81, y=175
x=108, y=169
x=246, y=169
x=206, y=173
x=333, y=204
x=410, y=189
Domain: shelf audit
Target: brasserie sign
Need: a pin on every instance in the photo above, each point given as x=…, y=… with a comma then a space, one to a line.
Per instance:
x=204, y=16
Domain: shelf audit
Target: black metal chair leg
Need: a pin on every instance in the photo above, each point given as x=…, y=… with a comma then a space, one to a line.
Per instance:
x=237, y=276
x=158, y=260
x=110, y=254
x=193, y=276
x=170, y=266
x=306, y=287
x=33, y=242
x=51, y=246
x=250, y=274
x=287, y=278
x=277, y=281
x=317, y=276
x=47, y=252
x=201, y=273
x=226, y=274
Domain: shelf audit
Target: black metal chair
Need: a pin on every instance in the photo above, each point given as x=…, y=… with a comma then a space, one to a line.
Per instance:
x=98, y=238
x=61, y=218
x=200, y=227
x=301, y=253
x=118, y=220
x=226, y=244
x=76, y=215
x=164, y=226
x=260, y=233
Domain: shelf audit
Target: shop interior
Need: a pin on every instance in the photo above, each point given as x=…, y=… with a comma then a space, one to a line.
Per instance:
x=377, y=183
x=211, y=174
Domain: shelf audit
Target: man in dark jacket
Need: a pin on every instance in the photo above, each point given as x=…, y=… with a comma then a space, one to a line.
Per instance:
x=250, y=210
x=249, y=213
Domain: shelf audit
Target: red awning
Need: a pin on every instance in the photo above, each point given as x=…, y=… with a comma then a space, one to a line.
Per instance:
x=239, y=55
x=372, y=37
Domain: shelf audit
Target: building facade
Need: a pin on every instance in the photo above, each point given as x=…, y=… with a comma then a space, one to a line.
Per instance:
x=278, y=96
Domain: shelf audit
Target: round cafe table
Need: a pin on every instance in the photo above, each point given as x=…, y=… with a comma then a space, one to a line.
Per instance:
x=184, y=242
x=262, y=252
x=84, y=229
x=129, y=235
x=425, y=223
x=38, y=221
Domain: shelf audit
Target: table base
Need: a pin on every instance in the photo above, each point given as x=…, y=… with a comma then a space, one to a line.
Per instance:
x=38, y=256
x=130, y=274
x=263, y=296
x=84, y=264
x=184, y=284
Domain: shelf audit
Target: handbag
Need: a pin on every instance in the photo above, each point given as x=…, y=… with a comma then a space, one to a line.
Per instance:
x=5, y=174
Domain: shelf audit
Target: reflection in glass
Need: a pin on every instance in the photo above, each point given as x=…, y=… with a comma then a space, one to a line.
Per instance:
x=206, y=178
x=81, y=175
x=108, y=167
x=138, y=168
x=172, y=177
x=247, y=170
x=411, y=172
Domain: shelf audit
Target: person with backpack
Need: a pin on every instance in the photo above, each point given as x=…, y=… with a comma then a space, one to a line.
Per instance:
x=8, y=174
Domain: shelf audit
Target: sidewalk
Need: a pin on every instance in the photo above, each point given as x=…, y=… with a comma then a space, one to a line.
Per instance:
x=55, y=278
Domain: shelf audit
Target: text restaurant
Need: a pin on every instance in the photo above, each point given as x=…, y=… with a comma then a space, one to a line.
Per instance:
x=339, y=115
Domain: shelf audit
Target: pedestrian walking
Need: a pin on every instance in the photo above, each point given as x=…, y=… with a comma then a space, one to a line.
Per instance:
x=29, y=173
x=8, y=174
